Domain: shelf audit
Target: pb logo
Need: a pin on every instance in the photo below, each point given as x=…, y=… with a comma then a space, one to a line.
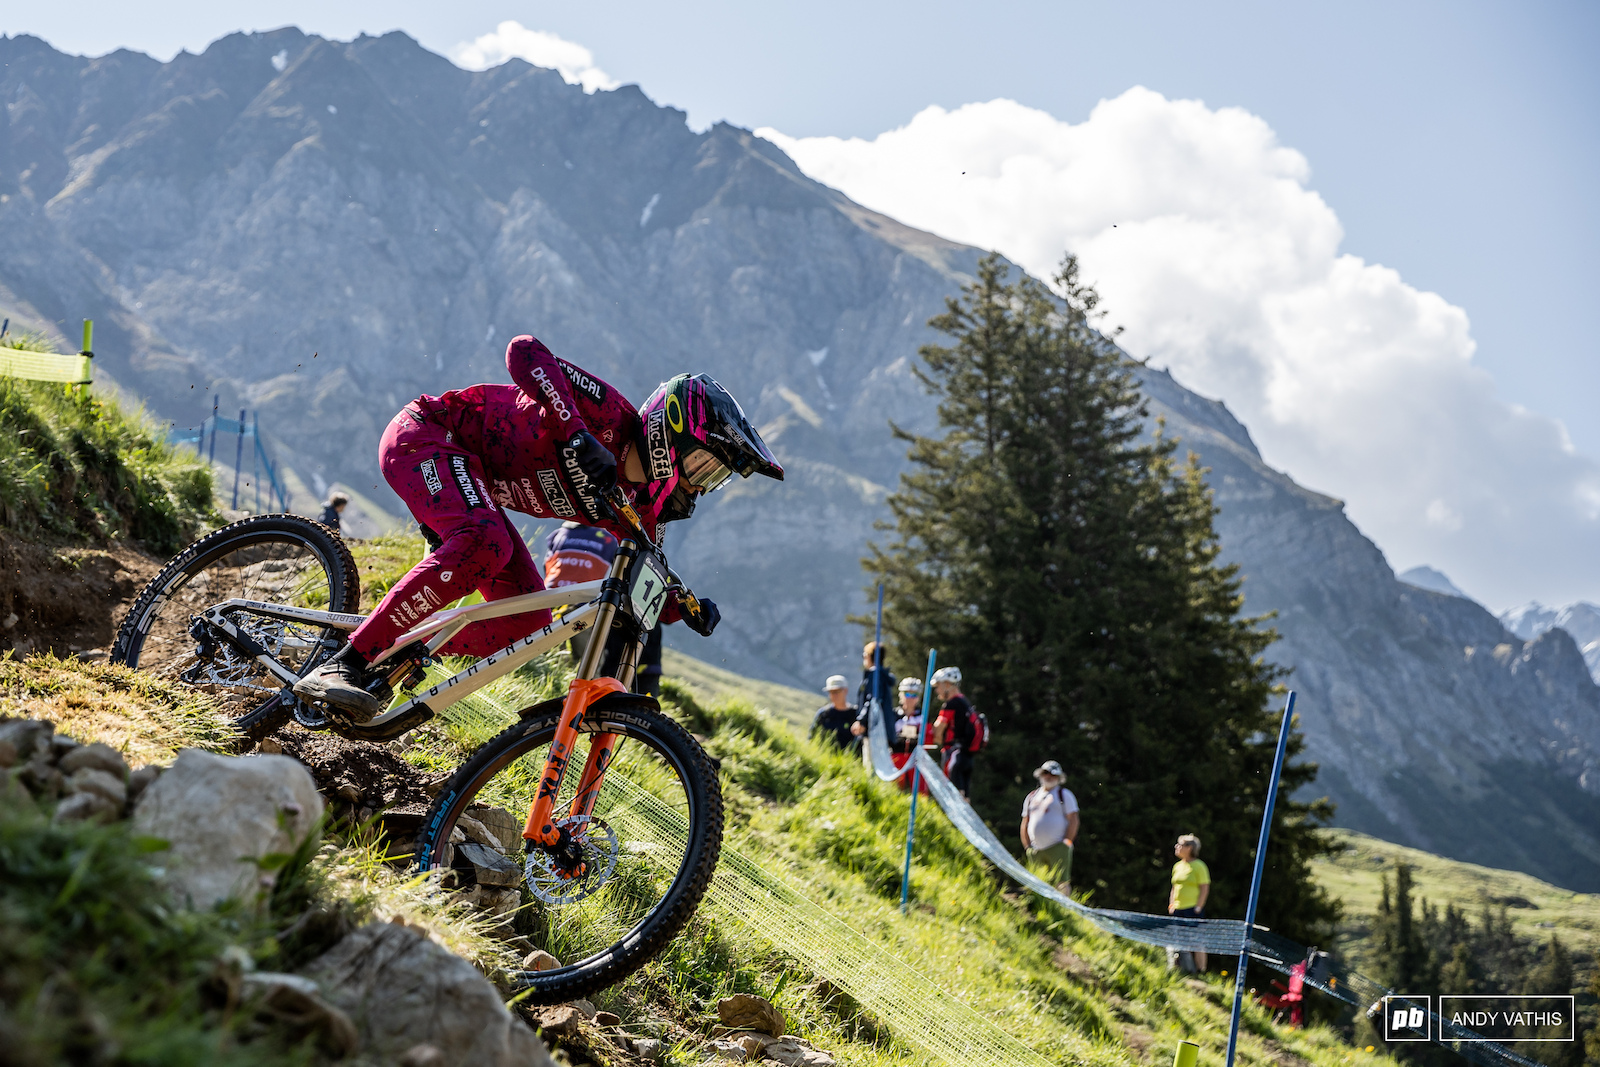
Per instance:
x=1406, y=1018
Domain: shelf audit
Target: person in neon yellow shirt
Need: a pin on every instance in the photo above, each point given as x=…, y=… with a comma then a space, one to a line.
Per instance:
x=1191, y=884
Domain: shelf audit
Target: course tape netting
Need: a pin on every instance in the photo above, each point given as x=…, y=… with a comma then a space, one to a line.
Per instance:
x=1227, y=937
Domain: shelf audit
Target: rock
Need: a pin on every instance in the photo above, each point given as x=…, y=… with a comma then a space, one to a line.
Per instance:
x=95, y=780
x=140, y=780
x=422, y=1056
x=588, y=1009
x=402, y=990
x=753, y=1043
x=61, y=745
x=297, y=1001
x=540, y=960
x=42, y=779
x=350, y=792
x=647, y=1049
x=220, y=813
x=792, y=1052
x=476, y=831
x=746, y=1011
x=559, y=1020
x=25, y=735
x=270, y=747
x=490, y=866
x=730, y=1050
x=8, y=754
x=606, y=1018
x=97, y=757
x=505, y=826
x=87, y=807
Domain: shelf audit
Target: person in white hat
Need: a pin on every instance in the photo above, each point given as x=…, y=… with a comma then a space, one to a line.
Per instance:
x=836, y=720
x=1050, y=826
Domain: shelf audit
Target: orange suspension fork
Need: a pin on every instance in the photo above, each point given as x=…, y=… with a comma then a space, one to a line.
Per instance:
x=540, y=826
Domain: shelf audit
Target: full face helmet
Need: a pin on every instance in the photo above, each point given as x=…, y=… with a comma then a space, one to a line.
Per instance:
x=696, y=437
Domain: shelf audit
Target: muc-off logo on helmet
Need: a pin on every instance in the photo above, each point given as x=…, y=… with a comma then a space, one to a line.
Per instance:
x=655, y=433
x=548, y=388
x=582, y=382
x=551, y=486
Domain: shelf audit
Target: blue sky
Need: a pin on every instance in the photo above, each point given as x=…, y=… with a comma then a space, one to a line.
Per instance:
x=1456, y=143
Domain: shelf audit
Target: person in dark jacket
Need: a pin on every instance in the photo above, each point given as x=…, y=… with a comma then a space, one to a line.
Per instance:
x=332, y=508
x=836, y=720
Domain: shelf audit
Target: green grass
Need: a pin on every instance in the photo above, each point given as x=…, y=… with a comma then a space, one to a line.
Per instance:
x=78, y=467
x=1537, y=909
x=710, y=684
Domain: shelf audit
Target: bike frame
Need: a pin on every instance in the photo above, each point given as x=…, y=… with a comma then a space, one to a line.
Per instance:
x=598, y=605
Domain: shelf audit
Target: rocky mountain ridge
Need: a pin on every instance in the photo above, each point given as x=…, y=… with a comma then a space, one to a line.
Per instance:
x=1581, y=620
x=323, y=230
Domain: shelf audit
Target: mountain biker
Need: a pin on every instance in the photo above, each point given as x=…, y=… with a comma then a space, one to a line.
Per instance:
x=550, y=446
x=953, y=730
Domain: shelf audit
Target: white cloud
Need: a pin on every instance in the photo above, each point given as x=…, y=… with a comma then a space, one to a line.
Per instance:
x=514, y=40
x=1207, y=243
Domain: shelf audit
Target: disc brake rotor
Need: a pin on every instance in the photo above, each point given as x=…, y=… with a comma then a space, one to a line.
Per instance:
x=600, y=847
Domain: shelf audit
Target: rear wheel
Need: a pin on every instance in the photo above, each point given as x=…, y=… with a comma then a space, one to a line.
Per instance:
x=282, y=559
x=650, y=848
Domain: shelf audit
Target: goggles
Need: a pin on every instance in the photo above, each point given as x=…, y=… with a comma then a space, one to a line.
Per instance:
x=703, y=470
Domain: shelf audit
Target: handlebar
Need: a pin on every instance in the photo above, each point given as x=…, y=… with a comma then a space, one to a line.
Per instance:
x=622, y=510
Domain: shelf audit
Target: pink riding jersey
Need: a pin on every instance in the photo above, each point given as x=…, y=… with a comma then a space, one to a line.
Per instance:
x=460, y=460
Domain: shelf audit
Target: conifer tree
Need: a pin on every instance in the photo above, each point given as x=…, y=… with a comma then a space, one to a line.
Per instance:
x=1066, y=562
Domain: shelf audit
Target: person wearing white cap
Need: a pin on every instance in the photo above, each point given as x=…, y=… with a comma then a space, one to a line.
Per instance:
x=836, y=720
x=1050, y=826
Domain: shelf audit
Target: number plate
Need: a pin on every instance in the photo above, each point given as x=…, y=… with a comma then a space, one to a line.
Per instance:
x=649, y=592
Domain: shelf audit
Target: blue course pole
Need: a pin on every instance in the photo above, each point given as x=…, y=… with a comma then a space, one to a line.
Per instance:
x=213, y=458
x=238, y=460
x=1255, y=879
x=916, y=781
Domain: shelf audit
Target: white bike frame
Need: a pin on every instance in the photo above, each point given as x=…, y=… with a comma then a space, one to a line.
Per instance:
x=435, y=631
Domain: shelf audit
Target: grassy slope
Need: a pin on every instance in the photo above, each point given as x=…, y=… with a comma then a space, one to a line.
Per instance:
x=78, y=467
x=815, y=818
x=1537, y=909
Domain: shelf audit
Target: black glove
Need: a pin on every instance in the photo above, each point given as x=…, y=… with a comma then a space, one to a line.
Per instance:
x=704, y=622
x=599, y=466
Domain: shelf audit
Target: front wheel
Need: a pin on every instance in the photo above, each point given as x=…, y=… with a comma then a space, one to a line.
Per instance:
x=651, y=845
x=282, y=559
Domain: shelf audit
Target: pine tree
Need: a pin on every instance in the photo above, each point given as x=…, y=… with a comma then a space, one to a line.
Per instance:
x=1066, y=562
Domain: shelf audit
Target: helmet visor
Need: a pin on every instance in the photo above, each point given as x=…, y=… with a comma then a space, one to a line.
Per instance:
x=703, y=470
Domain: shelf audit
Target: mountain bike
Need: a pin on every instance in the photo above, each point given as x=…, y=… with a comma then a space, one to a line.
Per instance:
x=610, y=864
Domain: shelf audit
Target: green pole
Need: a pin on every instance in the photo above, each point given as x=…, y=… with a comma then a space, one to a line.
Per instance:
x=1188, y=1054
x=88, y=337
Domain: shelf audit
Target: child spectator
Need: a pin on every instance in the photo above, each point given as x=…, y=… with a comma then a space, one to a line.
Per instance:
x=955, y=732
x=907, y=728
x=1191, y=885
x=836, y=720
x=1050, y=826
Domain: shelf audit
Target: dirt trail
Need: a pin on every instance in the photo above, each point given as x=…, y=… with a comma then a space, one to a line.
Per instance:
x=66, y=600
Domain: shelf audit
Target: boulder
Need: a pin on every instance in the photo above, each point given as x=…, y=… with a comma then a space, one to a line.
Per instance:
x=792, y=1052
x=102, y=783
x=87, y=807
x=25, y=735
x=220, y=814
x=96, y=757
x=746, y=1011
x=297, y=1001
x=490, y=866
x=540, y=960
x=402, y=990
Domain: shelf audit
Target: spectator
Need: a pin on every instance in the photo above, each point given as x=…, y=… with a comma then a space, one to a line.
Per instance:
x=1191, y=884
x=836, y=720
x=1050, y=826
x=864, y=694
x=907, y=728
x=575, y=553
x=332, y=508
x=956, y=729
